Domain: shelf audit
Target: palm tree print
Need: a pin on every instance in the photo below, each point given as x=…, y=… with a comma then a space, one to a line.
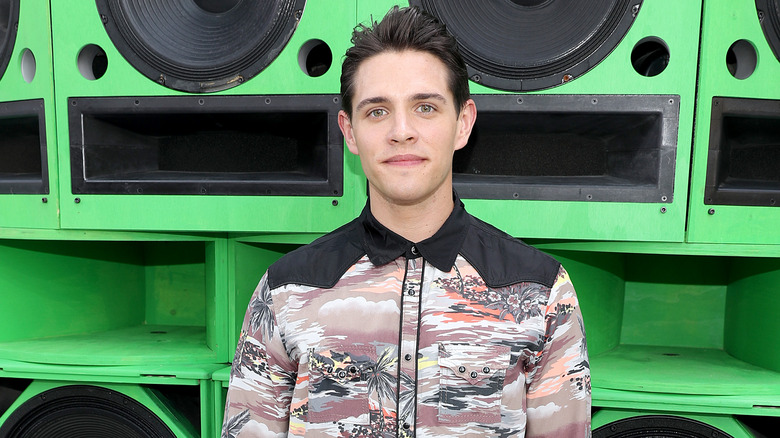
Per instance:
x=522, y=301
x=262, y=312
x=381, y=381
x=234, y=425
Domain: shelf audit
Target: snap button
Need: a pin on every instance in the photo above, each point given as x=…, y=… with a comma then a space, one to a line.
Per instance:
x=461, y=369
x=411, y=292
x=407, y=426
x=486, y=370
x=408, y=357
x=414, y=250
x=473, y=374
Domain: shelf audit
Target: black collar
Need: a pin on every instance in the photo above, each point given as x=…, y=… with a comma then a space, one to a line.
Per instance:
x=383, y=245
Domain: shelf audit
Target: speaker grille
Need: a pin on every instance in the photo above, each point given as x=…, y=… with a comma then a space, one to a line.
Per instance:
x=9, y=20
x=524, y=45
x=652, y=426
x=769, y=16
x=193, y=46
x=82, y=411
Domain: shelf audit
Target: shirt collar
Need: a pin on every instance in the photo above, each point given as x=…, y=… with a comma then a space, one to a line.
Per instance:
x=383, y=245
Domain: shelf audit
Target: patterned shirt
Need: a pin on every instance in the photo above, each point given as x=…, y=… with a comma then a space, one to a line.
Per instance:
x=365, y=334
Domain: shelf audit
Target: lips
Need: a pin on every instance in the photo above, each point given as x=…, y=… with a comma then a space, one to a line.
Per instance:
x=404, y=160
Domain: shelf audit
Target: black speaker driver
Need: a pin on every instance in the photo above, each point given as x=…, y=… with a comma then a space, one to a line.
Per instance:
x=9, y=21
x=83, y=411
x=200, y=45
x=525, y=45
x=769, y=17
x=658, y=426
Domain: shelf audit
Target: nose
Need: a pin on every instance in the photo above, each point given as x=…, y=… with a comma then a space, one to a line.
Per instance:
x=402, y=129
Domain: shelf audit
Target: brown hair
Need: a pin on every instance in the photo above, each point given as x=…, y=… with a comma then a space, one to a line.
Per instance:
x=404, y=29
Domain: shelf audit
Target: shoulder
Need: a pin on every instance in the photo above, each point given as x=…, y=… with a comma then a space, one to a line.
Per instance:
x=503, y=260
x=322, y=262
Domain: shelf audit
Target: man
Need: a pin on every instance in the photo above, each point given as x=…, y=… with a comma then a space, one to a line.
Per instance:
x=415, y=319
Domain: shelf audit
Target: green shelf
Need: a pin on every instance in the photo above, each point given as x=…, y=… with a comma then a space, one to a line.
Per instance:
x=680, y=370
x=146, y=344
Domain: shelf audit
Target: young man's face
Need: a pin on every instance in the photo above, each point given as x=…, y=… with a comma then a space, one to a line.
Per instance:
x=405, y=126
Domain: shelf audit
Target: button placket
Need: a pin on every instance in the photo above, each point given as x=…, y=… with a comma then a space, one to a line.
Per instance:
x=410, y=308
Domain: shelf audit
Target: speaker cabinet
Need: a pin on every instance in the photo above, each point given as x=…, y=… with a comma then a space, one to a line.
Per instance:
x=112, y=401
x=201, y=115
x=679, y=333
x=735, y=187
x=585, y=114
x=108, y=301
x=28, y=157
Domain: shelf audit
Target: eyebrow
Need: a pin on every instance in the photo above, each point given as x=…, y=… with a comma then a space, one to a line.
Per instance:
x=413, y=98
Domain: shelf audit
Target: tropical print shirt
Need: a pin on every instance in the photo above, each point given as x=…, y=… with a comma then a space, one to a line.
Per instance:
x=365, y=334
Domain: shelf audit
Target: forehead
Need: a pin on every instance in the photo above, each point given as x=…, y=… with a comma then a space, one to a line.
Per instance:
x=400, y=74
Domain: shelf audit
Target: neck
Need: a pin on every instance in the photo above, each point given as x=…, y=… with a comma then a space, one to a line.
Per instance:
x=414, y=222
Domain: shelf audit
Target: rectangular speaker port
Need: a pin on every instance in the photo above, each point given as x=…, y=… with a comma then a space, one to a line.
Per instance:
x=743, y=161
x=571, y=148
x=216, y=145
x=23, y=163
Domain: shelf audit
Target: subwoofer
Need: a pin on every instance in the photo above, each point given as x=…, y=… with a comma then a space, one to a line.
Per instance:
x=225, y=108
x=71, y=409
x=735, y=188
x=585, y=110
x=637, y=424
x=28, y=178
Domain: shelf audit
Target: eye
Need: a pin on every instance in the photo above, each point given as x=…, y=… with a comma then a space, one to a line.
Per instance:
x=425, y=108
x=377, y=112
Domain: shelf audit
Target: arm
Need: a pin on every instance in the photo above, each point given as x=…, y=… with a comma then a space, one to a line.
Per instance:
x=263, y=376
x=559, y=383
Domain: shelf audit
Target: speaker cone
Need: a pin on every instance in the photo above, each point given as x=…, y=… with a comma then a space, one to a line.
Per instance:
x=9, y=20
x=523, y=45
x=652, y=426
x=200, y=45
x=769, y=16
x=82, y=411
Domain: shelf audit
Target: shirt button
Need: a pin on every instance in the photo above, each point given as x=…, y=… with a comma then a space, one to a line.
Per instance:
x=461, y=369
x=414, y=250
x=408, y=357
x=407, y=426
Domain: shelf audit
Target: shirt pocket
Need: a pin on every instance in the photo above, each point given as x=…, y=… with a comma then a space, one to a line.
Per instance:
x=338, y=387
x=471, y=382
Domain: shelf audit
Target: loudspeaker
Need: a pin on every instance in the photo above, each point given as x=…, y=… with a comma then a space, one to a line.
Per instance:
x=585, y=114
x=53, y=401
x=638, y=424
x=203, y=115
x=28, y=161
x=735, y=187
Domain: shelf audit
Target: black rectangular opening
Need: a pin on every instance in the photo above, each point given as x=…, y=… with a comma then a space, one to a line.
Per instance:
x=223, y=145
x=556, y=147
x=743, y=161
x=23, y=162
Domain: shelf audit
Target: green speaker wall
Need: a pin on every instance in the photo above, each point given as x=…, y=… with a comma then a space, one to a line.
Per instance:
x=569, y=161
x=256, y=151
x=735, y=187
x=28, y=154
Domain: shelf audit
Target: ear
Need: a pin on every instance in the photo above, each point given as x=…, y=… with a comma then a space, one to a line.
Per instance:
x=346, y=129
x=466, y=119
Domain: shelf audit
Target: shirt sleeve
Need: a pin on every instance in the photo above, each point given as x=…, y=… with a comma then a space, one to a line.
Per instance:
x=262, y=377
x=559, y=393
